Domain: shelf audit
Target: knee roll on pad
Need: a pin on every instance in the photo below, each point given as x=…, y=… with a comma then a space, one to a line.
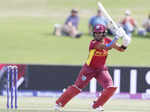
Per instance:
x=106, y=94
x=68, y=95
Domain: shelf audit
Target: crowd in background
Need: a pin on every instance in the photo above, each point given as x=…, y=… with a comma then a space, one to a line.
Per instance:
x=70, y=27
x=128, y=23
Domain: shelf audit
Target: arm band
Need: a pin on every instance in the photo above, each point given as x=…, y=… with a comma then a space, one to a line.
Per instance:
x=108, y=45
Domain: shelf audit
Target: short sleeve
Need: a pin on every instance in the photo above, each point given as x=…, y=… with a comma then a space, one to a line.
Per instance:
x=107, y=40
x=93, y=43
x=91, y=21
x=67, y=20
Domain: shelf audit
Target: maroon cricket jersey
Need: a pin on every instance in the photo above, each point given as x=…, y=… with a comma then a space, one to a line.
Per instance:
x=97, y=58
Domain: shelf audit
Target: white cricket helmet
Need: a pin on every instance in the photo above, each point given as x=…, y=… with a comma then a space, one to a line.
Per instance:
x=127, y=12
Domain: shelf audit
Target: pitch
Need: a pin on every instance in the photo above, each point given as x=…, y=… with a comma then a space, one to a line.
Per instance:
x=45, y=104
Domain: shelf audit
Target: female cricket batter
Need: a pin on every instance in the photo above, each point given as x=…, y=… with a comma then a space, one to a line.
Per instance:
x=94, y=67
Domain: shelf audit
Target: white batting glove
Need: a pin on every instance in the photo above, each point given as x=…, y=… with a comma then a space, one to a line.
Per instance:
x=126, y=40
x=119, y=33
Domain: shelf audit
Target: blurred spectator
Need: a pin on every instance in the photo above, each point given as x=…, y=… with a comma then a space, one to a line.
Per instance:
x=145, y=27
x=128, y=23
x=70, y=27
x=98, y=19
x=142, y=32
x=146, y=24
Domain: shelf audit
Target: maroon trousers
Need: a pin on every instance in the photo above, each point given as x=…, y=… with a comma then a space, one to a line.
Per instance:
x=87, y=73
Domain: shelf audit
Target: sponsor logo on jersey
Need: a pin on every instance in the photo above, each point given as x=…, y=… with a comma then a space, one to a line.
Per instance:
x=101, y=53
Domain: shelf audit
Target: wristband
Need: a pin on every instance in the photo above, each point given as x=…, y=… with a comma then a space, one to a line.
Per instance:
x=123, y=47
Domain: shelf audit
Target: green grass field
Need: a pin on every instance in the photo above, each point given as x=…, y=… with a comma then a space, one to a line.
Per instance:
x=26, y=37
x=45, y=104
x=26, y=27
